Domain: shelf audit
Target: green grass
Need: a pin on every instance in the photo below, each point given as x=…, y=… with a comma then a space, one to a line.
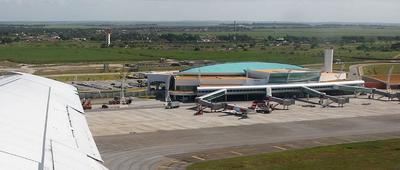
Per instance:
x=72, y=52
x=319, y=32
x=381, y=69
x=99, y=77
x=383, y=154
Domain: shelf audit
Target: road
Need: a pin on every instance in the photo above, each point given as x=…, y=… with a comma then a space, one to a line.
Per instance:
x=176, y=149
x=354, y=72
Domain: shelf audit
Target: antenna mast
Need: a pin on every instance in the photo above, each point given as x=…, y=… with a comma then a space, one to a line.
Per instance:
x=389, y=78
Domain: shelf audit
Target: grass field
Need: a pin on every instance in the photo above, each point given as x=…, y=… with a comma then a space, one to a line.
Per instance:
x=87, y=51
x=381, y=69
x=320, y=32
x=90, y=77
x=383, y=154
x=70, y=52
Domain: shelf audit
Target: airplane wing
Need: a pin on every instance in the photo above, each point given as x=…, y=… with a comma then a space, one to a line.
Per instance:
x=43, y=126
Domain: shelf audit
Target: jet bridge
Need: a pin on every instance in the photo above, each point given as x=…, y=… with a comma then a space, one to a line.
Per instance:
x=205, y=101
x=284, y=102
x=325, y=99
x=370, y=91
x=213, y=95
x=355, y=89
x=389, y=95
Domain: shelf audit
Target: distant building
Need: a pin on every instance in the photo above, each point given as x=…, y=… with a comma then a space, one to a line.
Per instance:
x=79, y=39
x=108, y=37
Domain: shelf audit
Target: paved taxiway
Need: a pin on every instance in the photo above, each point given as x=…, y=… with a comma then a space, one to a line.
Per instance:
x=143, y=137
x=156, y=150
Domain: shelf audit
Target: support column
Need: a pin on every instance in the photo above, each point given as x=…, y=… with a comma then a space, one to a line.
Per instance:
x=167, y=84
x=157, y=87
x=148, y=88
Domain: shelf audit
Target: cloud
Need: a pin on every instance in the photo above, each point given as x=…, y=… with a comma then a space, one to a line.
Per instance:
x=160, y=10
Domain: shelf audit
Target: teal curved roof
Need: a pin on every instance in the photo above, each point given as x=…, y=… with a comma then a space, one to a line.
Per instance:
x=239, y=67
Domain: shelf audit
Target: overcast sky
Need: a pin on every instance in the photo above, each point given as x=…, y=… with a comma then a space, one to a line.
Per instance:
x=179, y=10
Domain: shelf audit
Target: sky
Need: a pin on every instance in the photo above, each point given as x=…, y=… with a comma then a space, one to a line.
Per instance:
x=369, y=11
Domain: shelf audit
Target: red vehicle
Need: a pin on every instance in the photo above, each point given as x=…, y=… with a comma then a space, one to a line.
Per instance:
x=87, y=104
x=261, y=106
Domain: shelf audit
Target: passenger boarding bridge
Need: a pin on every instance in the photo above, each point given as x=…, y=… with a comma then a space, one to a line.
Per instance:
x=208, y=94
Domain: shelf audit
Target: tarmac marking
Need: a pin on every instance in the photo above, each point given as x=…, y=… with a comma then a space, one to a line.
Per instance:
x=348, y=140
x=236, y=153
x=163, y=167
x=318, y=142
x=291, y=146
x=280, y=148
x=196, y=157
x=176, y=161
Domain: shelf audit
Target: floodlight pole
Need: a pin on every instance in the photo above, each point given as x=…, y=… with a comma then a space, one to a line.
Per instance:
x=389, y=79
x=122, y=97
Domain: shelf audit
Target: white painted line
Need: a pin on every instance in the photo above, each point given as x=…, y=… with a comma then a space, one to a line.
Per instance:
x=348, y=140
x=175, y=161
x=163, y=167
x=278, y=147
x=317, y=142
x=291, y=145
x=237, y=153
x=196, y=157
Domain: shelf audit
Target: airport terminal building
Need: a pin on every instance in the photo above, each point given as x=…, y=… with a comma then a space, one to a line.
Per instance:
x=246, y=80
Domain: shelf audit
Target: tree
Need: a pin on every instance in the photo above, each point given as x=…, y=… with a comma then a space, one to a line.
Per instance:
x=6, y=40
x=395, y=46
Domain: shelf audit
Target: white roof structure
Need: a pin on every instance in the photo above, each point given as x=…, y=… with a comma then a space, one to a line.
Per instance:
x=43, y=126
x=293, y=85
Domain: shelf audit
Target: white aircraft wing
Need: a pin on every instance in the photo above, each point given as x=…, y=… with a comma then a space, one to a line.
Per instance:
x=43, y=126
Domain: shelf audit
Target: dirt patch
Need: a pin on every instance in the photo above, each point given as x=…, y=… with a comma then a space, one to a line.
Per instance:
x=394, y=79
x=8, y=64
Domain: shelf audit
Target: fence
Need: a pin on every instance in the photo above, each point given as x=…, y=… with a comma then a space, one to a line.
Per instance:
x=110, y=94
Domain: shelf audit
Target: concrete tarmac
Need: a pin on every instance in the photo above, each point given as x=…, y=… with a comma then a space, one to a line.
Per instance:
x=175, y=149
x=144, y=117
